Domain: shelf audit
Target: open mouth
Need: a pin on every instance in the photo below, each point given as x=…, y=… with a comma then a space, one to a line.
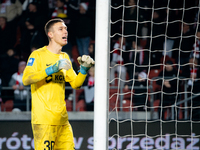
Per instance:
x=64, y=37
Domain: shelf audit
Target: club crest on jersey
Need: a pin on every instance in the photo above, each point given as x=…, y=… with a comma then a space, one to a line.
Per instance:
x=31, y=61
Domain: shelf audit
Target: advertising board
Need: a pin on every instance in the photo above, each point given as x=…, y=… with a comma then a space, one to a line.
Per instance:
x=17, y=135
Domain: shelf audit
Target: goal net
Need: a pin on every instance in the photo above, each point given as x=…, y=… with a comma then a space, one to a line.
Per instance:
x=154, y=74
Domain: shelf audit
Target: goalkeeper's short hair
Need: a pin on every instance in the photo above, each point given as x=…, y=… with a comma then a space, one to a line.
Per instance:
x=50, y=23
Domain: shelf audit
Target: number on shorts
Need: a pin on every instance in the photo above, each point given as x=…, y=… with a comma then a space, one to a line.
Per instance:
x=49, y=145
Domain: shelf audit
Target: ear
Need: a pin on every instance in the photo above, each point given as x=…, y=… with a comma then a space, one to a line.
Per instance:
x=50, y=34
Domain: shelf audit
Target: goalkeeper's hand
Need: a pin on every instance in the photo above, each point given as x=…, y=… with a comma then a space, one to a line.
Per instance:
x=60, y=64
x=86, y=63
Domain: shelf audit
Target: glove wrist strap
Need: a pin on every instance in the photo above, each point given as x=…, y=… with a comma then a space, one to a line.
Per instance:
x=49, y=70
x=84, y=70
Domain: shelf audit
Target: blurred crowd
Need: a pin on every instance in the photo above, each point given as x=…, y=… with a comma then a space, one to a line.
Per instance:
x=155, y=29
x=145, y=35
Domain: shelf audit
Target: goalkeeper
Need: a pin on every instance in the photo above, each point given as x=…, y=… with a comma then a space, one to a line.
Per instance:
x=47, y=71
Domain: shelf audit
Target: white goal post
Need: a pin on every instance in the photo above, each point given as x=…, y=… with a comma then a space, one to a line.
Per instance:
x=102, y=46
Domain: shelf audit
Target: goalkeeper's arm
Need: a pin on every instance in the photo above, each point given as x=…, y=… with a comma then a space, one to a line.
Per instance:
x=30, y=76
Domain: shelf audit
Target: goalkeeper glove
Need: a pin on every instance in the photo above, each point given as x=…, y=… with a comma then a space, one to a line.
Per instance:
x=86, y=63
x=60, y=64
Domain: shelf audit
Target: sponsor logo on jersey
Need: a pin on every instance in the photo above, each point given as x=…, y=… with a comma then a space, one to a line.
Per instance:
x=57, y=78
x=48, y=78
x=31, y=61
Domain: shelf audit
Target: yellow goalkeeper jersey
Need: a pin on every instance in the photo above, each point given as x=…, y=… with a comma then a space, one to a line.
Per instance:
x=48, y=92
